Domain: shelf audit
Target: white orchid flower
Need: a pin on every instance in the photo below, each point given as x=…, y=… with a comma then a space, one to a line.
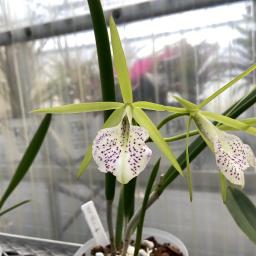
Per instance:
x=121, y=150
x=233, y=157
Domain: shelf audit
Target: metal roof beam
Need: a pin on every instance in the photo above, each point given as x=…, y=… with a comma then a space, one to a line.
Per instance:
x=126, y=14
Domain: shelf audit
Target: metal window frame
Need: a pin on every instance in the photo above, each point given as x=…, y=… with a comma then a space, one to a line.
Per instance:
x=126, y=14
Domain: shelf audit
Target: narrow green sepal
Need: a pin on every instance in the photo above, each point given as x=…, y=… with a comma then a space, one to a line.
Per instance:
x=223, y=187
x=144, y=121
x=188, y=174
x=120, y=63
x=85, y=162
x=190, y=106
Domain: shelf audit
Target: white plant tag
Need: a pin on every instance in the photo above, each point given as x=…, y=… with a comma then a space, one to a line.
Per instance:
x=94, y=223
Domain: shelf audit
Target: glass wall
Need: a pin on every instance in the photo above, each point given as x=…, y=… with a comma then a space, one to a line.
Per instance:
x=190, y=54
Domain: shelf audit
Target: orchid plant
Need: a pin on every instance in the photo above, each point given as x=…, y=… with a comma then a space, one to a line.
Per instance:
x=120, y=149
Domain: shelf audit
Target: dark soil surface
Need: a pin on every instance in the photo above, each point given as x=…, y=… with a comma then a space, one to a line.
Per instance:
x=159, y=249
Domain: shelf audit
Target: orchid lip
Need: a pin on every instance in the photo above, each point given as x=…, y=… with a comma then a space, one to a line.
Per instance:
x=121, y=150
x=233, y=157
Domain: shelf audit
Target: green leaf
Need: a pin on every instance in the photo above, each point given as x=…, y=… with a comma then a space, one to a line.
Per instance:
x=238, y=125
x=223, y=187
x=14, y=207
x=27, y=158
x=86, y=161
x=144, y=121
x=144, y=206
x=243, y=212
x=187, y=104
x=188, y=174
x=228, y=85
x=81, y=107
x=120, y=64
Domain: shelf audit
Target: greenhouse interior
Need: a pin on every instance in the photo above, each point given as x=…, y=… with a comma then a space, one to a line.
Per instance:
x=51, y=55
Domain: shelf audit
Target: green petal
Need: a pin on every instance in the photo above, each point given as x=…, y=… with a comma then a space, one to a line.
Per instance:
x=86, y=161
x=120, y=64
x=238, y=125
x=80, y=107
x=149, y=105
x=223, y=187
x=187, y=104
x=114, y=119
x=188, y=174
x=143, y=120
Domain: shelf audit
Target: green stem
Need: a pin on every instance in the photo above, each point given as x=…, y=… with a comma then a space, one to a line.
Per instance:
x=170, y=118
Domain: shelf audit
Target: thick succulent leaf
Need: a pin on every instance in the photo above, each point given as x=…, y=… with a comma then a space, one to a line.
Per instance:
x=81, y=107
x=120, y=64
x=243, y=212
x=121, y=150
x=238, y=125
x=144, y=121
x=228, y=85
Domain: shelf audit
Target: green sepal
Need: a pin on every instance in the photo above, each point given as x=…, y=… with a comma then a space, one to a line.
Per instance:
x=144, y=121
x=238, y=125
x=152, y=106
x=188, y=174
x=120, y=64
x=85, y=162
x=223, y=187
x=81, y=107
x=228, y=85
x=190, y=106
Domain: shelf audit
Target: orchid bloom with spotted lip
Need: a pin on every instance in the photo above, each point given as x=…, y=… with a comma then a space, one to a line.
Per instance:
x=121, y=150
x=233, y=157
